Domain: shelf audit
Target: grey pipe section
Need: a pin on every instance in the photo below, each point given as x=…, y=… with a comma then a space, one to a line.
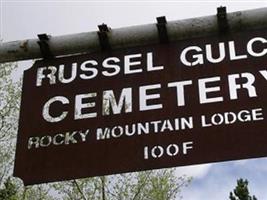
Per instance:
x=132, y=36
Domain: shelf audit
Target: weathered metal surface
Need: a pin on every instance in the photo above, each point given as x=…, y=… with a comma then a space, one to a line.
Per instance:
x=233, y=87
x=133, y=36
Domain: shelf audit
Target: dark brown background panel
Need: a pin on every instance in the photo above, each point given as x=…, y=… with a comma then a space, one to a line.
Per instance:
x=94, y=157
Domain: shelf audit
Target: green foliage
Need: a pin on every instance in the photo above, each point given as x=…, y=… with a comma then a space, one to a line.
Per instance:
x=9, y=106
x=9, y=192
x=241, y=191
x=38, y=192
x=147, y=185
x=10, y=92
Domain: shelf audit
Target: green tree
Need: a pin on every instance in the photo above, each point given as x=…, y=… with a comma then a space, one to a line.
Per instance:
x=9, y=106
x=10, y=91
x=241, y=191
x=9, y=192
x=147, y=185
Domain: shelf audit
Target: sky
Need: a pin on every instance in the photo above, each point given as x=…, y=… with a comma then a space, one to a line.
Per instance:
x=25, y=19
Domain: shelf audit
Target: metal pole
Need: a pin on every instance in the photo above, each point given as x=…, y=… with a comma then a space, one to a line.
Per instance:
x=132, y=36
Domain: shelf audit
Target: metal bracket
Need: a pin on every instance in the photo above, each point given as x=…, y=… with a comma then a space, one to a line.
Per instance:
x=103, y=37
x=162, y=29
x=44, y=46
x=223, y=25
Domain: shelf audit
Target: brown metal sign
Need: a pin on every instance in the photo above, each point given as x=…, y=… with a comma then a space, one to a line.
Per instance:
x=193, y=101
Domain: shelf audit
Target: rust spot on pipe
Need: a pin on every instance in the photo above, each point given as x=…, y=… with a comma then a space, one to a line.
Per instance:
x=24, y=45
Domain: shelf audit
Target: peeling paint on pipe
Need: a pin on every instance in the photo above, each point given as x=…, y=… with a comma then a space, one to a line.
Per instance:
x=133, y=36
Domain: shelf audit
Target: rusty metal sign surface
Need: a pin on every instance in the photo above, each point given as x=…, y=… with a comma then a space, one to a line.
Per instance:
x=189, y=102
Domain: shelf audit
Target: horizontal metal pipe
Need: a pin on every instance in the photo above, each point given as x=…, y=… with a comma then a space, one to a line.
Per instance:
x=132, y=36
